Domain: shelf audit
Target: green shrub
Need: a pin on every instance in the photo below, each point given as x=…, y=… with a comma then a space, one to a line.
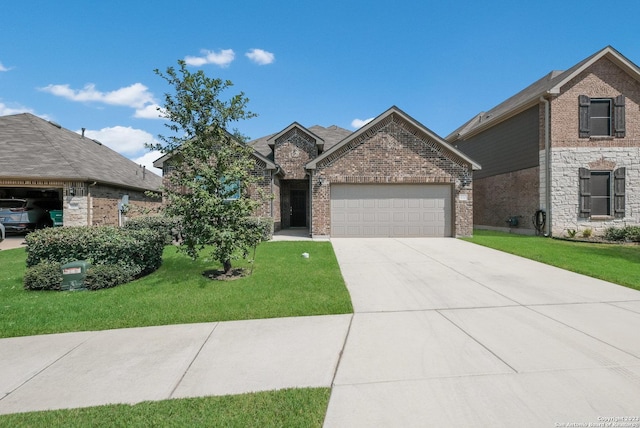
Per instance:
x=614, y=234
x=98, y=245
x=571, y=233
x=627, y=233
x=108, y=276
x=261, y=226
x=43, y=276
x=587, y=233
x=167, y=226
x=632, y=233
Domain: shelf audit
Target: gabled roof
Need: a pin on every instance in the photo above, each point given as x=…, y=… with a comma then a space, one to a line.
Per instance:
x=549, y=85
x=329, y=135
x=272, y=139
x=36, y=148
x=392, y=113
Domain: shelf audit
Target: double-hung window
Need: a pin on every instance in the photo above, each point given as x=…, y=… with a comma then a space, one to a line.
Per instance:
x=601, y=117
x=602, y=193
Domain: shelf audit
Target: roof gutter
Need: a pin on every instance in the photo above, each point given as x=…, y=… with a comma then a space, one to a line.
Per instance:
x=63, y=180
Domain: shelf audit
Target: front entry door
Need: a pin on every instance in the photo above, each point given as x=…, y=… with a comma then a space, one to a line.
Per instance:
x=298, y=208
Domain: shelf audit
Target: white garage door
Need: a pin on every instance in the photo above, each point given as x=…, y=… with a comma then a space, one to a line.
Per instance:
x=390, y=210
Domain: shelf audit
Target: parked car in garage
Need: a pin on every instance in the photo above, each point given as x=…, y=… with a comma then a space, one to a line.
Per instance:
x=26, y=215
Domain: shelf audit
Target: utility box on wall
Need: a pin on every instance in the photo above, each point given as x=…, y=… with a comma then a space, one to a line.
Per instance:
x=73, y=275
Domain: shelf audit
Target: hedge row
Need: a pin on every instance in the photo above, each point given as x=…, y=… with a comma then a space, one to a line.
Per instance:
x=107, y=276
x=98, y=245
x=627, y=233
x=48, y=276
x=116, y=255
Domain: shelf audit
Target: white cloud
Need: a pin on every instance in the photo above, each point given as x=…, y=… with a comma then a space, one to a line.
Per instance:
x=359, y=123
x=150, y=111
x=125, y=140
x=222, y=58
x=6, y=110
x=129, y=142
x=3, y=68
x=261, y=57
x=135, y=96
x=147, y=160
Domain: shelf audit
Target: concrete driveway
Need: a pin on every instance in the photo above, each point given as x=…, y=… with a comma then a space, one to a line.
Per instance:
x=448, y=333
x=12, y=241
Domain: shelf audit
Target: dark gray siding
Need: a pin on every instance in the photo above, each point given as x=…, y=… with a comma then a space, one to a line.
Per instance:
x=507, y=147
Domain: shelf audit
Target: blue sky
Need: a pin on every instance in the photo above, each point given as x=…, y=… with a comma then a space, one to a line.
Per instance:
x=90, y=64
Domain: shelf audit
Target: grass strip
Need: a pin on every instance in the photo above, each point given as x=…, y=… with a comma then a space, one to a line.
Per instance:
x=304, y=407
x=617, y=263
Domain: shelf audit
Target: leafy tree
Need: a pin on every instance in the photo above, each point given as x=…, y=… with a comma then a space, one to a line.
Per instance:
x=210, y=168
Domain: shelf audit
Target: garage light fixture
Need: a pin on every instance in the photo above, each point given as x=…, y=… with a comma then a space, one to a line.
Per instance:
x=321, y=181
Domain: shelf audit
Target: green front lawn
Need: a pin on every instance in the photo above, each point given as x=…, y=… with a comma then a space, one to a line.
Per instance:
x=611, y=262
x=283, y=284
x=285, y=408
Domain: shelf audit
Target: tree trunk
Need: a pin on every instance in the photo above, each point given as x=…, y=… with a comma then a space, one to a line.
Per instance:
x=226, y=266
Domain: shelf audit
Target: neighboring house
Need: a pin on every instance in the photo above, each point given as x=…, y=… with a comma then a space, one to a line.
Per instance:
x=563, y=154
x=93, y=184
x=392, y=177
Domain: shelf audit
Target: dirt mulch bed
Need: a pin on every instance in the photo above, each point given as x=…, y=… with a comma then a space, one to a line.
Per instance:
x=219, y=274
x=594, y=240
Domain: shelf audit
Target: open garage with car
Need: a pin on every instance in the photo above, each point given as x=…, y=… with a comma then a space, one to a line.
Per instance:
x=27, y=209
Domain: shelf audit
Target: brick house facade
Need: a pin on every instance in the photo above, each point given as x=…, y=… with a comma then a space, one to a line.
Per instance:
x=563, y=154
x=392, y=177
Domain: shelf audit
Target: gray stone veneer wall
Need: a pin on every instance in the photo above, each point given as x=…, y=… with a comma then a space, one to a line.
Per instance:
x=565, y=192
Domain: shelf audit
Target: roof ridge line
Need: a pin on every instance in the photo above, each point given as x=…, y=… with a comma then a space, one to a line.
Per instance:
x=56, y=147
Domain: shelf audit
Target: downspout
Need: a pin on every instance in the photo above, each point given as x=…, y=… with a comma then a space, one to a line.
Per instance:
x=310, y=202
x=547, y=165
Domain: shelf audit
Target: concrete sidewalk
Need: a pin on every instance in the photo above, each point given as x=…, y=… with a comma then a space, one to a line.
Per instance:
x=156, y=363
x=447, y=333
